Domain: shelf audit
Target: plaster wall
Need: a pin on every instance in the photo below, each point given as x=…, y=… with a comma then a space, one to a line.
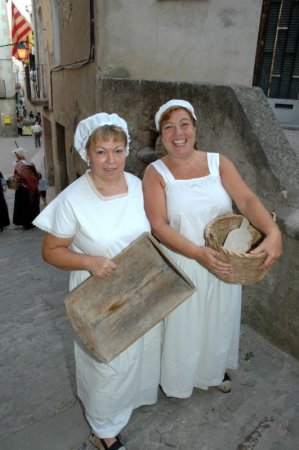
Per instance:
x=73, y=99
x=45, y=32
x=154, y=39
x=202, y=40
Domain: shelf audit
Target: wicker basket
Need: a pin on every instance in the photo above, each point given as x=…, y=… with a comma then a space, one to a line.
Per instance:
x=12, y=183
x=246, y=266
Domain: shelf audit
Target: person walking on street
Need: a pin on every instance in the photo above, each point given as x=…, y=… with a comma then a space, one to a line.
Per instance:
x=38, y=118
x=26, y=205
x=37, y=132
x=42, y=188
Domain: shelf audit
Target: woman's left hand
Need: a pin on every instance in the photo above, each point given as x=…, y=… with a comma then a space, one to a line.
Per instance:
x=210, y=259
x=272, y=246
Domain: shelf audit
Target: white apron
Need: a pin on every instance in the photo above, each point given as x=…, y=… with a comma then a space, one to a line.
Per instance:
x=105, y=226
x=201, y=335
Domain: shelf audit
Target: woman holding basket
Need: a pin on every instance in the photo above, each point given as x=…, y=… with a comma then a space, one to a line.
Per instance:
x=26, y=204
x=183, y=192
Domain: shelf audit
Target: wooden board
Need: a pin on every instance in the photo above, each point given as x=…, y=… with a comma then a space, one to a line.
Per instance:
x=110, y=314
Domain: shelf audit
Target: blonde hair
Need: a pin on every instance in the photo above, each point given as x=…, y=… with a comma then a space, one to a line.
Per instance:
x=105, y=132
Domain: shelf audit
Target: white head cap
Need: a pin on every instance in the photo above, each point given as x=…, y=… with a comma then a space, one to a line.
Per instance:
x=22, y=153
x=86, y=127
x=171, y=104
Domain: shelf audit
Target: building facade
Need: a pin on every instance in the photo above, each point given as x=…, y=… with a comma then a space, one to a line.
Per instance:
x=129, y=57
x=79, y=43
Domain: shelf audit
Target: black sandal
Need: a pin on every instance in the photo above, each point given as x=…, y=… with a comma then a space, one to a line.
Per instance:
x=101, y=444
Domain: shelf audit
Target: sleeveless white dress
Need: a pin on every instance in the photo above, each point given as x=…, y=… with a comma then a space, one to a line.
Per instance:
x=105, y=226
x=202, y=335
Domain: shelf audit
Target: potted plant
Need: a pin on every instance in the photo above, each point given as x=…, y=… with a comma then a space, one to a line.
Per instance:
x=26, y=127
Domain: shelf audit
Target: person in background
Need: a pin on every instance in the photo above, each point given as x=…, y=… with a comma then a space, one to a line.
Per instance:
x=38, y=118
x=42, y=188
x=86, y=225
x=183, y=192
x=26, y=204
x=37, y=132
x=4, y=217
x=2, y=182
x=20, y=120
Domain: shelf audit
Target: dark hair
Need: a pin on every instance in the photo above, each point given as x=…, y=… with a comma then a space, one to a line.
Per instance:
x=167, y=114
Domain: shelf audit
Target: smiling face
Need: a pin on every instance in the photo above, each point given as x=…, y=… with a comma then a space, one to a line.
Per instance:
x=178, y=133
x=107, y=155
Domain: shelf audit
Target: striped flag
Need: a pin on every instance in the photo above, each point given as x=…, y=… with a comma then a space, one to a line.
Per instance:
x=21, y=30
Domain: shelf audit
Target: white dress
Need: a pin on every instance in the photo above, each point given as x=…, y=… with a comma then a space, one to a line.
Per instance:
x=105, y=226
x=201, y=335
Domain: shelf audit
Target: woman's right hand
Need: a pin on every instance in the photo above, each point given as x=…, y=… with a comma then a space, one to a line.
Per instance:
x=101, y=267
x=210, y=259
x=56, y=251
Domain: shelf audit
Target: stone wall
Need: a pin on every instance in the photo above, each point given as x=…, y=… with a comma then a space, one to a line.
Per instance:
x=238, y=122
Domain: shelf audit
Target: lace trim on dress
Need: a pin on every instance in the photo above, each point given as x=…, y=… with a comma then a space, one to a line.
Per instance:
x=103, y=197
x=207, y=180
x=211, y=178
x=49, y=230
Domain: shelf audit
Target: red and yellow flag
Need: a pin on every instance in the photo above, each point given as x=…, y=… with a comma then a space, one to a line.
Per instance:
x=21, y=30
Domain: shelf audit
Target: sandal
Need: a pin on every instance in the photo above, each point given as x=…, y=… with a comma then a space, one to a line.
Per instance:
x=226, y=384
x=101, y=444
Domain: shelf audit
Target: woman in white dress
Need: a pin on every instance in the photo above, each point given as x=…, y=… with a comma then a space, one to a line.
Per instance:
x=183, y=192
x=86, y=225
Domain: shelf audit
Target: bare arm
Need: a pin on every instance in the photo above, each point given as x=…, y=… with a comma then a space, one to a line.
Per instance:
x=155, y=207
x=56, y=252
x=251, y=207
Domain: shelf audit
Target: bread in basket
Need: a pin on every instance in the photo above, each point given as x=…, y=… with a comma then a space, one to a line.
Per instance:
x=246, y=266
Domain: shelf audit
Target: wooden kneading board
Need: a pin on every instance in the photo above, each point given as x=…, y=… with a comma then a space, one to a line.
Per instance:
x=110, y=314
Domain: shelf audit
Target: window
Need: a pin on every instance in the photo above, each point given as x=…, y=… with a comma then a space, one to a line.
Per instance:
x=279, y=58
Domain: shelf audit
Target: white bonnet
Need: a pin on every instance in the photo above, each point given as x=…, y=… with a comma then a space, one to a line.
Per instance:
x=87, y=126
x=22, y=153
x=171, y=104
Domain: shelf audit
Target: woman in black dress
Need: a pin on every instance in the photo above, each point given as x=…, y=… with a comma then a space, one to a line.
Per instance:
x=4, y=217
x=26, y=206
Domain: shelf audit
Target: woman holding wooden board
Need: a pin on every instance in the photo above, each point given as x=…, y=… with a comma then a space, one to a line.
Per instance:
x=183, y=192
x=87, y=224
